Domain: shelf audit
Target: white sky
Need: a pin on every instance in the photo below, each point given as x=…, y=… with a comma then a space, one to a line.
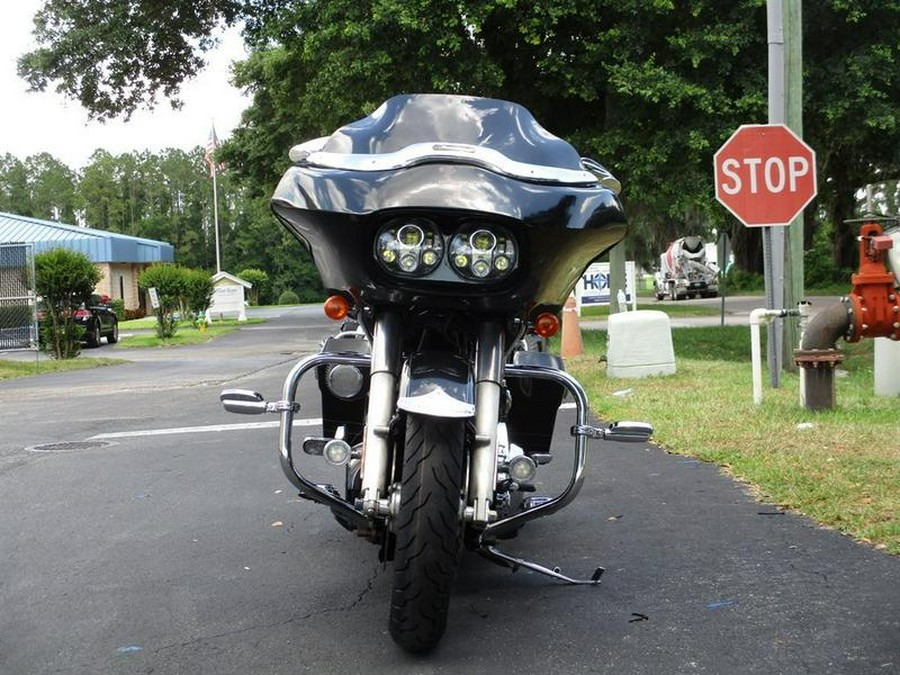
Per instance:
x=47, y=122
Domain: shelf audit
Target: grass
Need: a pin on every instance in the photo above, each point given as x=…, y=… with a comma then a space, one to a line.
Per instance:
x=672, y=309
x=187, y=334
x=14, y=369
x=840, y=467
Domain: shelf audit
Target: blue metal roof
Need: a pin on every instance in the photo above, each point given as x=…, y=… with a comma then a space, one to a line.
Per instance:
x=100, y=246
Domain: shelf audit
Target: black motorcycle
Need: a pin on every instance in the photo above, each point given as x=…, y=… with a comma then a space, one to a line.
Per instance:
x=449, y=231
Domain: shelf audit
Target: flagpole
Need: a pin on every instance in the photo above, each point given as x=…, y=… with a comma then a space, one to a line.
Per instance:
x=213, y=169
x=216, y=218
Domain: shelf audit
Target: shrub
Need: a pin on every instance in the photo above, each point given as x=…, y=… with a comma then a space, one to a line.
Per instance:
x=118, y=306
x=198, y=290
x=138, y=313
x=170, y=284
x=262, y=286
x=288, y=298
x=64, y=279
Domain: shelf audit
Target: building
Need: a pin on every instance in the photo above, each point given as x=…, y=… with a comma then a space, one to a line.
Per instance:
x=119, y=257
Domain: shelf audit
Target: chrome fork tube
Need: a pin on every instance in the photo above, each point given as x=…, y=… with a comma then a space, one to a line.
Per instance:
x=382, y=401
x=488, y=392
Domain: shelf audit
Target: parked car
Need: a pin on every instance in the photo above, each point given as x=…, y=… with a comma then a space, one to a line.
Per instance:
x=99, y=321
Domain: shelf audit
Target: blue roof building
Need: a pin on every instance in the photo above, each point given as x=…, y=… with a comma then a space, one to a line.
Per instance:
x=119, y=257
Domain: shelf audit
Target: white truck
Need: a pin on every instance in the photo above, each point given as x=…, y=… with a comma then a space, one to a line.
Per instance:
x=684, y=271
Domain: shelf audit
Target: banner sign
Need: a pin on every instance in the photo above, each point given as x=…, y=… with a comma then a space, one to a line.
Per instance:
x=593, y=286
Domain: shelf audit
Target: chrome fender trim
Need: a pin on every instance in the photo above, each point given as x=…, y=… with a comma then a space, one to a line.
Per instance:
x=437, y=384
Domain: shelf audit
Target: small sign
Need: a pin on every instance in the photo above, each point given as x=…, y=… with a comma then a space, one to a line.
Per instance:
x=593, y=287
x=154, y=297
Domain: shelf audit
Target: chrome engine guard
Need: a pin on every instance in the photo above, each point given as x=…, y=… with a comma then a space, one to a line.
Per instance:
x=355, y=516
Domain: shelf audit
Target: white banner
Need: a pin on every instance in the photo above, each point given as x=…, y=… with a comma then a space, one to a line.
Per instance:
x=593, y=286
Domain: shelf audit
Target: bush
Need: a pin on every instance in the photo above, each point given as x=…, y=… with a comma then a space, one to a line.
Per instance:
x=288, y=298
x=198, y=290
x=118, y=306
x=65, y=279
x=262, y=287
x=138, y=313
x=170, y=283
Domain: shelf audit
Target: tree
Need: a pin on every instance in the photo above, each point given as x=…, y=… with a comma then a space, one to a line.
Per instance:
x=262, y=287
x=170, y=284
x=649, y=87
x=90, y=50
x=64, y=279
x=198, y=291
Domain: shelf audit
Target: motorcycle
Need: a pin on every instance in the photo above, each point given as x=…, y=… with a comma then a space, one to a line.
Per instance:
x=449, y=231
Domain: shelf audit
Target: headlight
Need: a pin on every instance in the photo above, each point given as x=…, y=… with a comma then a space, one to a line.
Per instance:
x=483, y=253
x=409, y=247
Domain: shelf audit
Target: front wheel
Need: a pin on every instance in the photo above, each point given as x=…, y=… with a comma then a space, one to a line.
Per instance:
x=428, y=531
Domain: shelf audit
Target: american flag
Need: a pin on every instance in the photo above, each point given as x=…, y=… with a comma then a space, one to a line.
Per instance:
x=211, y=144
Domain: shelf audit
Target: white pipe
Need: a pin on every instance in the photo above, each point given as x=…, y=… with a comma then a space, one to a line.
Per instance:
x=758, y=317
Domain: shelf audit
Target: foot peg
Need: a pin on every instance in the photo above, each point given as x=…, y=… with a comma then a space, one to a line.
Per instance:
x=632, y=432
x=247, y=402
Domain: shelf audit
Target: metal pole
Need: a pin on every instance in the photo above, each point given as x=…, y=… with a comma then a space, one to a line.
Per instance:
x=216, y=217
x=773, y=237
x=616, y=275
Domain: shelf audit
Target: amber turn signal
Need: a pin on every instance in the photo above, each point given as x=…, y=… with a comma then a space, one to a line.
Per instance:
x=546, y=325
x=336, y=307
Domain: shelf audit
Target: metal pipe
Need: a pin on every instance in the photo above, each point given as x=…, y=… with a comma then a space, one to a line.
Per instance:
x=827, y=326
x=577, y=478
x=289, y=393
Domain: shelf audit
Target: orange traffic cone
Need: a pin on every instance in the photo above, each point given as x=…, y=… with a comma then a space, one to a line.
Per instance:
x=571, y=332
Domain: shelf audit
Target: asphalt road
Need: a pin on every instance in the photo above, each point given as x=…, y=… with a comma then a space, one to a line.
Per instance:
x=169, y=543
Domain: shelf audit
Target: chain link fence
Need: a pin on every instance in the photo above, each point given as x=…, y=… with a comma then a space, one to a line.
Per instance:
x=18, y=300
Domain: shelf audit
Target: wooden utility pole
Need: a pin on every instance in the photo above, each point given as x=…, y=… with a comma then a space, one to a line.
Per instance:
x=794, y=289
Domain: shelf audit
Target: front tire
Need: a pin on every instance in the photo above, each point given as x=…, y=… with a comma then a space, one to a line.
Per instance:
x=428, y=531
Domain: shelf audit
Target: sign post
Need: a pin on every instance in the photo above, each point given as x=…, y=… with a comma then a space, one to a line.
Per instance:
x=766, y=175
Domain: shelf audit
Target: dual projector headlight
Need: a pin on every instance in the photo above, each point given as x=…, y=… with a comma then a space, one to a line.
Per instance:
x=414, y=247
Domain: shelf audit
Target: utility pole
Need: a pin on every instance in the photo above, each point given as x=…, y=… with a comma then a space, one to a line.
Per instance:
x=773, y=237
x=794, y=289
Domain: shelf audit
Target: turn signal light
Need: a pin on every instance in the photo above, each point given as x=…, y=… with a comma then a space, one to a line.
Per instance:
x=546, y=325
x=336, y=307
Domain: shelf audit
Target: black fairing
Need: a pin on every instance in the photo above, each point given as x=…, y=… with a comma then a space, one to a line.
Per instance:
x=560, y=228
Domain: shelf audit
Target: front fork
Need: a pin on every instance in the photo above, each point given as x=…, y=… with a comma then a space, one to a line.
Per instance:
x=489, y=359
x=383, y=401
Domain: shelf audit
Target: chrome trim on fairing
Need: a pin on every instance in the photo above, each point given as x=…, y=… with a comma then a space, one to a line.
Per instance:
x=581, y=407
x=289, y=393
x=453, y=153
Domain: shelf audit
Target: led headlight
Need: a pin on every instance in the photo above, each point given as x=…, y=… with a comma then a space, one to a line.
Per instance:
x=409, y=247
x=481, y=252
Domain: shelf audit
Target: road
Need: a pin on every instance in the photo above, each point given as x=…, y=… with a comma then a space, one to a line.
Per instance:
x=161, y=540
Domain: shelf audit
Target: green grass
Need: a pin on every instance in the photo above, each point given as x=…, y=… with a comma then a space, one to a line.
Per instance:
x=187, y=334
x=672, y=309
x=841, y=467
x=14, y=369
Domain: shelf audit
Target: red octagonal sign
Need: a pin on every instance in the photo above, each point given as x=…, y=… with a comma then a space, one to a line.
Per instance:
x=765, y=175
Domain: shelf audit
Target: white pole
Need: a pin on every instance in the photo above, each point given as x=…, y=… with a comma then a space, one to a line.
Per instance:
x=216, y=217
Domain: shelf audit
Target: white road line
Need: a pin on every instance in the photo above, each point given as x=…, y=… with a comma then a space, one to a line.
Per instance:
x=313, y=421
x=205, y=429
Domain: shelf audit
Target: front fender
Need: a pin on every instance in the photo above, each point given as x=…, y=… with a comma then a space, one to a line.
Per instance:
x=437, y=384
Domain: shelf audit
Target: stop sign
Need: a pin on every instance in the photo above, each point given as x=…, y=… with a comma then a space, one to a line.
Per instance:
x=765, y=174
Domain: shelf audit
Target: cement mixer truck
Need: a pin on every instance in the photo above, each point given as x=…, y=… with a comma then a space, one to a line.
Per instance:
x=684, y=271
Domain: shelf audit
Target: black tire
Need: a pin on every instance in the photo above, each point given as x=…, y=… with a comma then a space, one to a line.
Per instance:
x=113, y=336
x=428, y=531
x=93, y=335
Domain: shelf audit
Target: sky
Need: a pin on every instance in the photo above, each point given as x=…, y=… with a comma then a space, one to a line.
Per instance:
x=48, y=122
